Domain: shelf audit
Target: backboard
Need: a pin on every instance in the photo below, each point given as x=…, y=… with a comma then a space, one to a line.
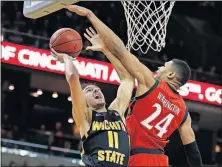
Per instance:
x=37, y=9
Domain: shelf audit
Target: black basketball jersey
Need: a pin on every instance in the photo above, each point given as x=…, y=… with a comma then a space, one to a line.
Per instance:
x=107, y=142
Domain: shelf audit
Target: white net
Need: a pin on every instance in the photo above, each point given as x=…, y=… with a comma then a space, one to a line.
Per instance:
x=147, y=22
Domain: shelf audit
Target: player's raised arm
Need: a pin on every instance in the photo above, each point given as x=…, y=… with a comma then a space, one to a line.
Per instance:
x=188, y=138
x=117, y=47
x=125, y=89
x=79, y=108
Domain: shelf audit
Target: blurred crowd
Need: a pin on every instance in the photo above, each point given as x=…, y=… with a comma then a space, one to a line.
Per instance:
x=36, y=33
x=57, y=142
x=51, y=137
x=26, y=163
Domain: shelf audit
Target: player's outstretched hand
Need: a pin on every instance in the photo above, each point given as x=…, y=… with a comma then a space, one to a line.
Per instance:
x=95, y=40
x=78, y=10
x=59, y=56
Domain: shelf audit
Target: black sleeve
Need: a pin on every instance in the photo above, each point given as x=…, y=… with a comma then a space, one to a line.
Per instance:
x=193, y=154
x=126, y=112
x=185, y=116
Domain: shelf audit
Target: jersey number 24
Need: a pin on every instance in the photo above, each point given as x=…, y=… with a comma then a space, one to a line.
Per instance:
x=165, y=122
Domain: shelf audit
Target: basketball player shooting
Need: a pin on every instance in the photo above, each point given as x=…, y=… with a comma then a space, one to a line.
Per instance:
x=157, y=110
x=104, y=137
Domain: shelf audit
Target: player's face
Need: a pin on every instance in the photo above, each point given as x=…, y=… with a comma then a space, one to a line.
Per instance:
x=94, y=97
x=165, y=72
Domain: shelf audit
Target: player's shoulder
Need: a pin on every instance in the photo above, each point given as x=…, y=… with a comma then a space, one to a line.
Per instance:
x=158, y=86
x=147, y=92
x=113, y=112
x=166, y=87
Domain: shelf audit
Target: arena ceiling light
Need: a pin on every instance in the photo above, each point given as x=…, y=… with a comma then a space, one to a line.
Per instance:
x=39, y=92
x=11, y=87
x=70, y=120
x=69, y=98
x=55, y=95
x=34, y=94
x=217, y=149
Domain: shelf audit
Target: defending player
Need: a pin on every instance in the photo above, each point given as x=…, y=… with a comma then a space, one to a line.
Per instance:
x=157, y=110
x=103, y=132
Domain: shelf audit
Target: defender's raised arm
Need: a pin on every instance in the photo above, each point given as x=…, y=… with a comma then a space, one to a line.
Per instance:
x=117, y=47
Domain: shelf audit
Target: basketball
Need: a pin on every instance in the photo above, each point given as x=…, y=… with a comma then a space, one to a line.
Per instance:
x=66, y=40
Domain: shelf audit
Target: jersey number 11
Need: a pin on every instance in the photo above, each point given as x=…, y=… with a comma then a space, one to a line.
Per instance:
x=113, y=139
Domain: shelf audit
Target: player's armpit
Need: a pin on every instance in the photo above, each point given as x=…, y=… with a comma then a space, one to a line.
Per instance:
x=123, y=97
x=138, y=70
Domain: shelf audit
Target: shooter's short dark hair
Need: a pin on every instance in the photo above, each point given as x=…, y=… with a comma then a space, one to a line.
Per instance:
x=84, y=85
x=183, y=69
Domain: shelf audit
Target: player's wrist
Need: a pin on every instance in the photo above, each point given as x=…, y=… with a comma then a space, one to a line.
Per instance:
x=65, y=58
x=104, y=50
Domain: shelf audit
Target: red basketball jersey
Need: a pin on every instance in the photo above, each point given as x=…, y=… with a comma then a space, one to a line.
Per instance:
x=154, y=116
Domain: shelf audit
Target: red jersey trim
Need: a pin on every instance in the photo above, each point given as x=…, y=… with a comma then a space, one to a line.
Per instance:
x=148, y=91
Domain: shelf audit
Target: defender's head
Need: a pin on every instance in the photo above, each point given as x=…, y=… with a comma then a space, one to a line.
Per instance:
x=175, y=71
x=94, y=96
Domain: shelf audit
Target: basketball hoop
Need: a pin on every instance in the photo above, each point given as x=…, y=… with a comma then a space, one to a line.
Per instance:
x=147, y=23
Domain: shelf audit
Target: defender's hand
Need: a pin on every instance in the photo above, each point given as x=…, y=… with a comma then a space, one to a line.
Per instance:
x=95, y=40
x=78, y=10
